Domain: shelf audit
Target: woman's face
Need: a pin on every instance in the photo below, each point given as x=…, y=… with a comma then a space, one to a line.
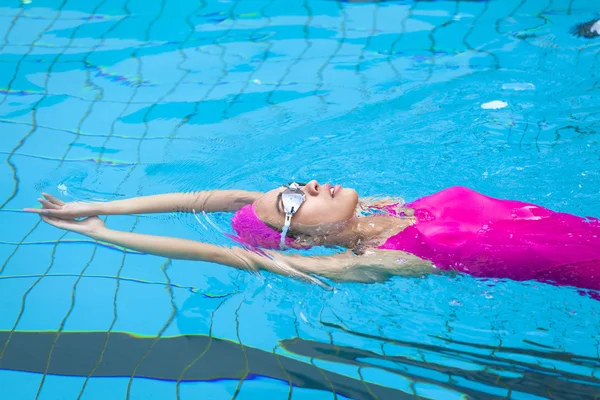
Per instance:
x=324, y=204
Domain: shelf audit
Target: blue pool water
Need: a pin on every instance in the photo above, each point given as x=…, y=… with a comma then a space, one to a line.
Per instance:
x=106, y=99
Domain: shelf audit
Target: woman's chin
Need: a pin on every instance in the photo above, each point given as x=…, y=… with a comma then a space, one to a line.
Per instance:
x=351, y=196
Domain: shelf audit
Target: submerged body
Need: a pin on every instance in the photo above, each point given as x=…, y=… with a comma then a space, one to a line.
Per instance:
x=462, y=230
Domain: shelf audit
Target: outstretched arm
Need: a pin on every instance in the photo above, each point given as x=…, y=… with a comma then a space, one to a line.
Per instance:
x=176, y=248
x=208, y=201
x=376, y=265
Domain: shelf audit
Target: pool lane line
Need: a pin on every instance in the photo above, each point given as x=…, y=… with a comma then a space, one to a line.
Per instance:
x=534, y=28
x=162, y=330
x=526, y=122
x=174, y=87
x=510, y=15
x=99, y=17
x=134, y=54
x=99, y=135
x=237, y=333
x=114, y=163
x=546, y=20
x=312, y=359
x=112, y=325
x=12, y=25
x=465, y=41
x=88, y=80
x=363, y=91
x=570, y=7
x=381, y=347
x=307, y=46
x=289, y=379
x=340, y=44
x=265, y=56
x=218, y=82
x=202, y=352
x=537, y=136
x=13, y=167
x=366, y=95
x=141, y=139
x=63, y=322
x=278, y=346
x=399, y=37
x=18, y=245
x=71, y=241
x=26, y=294
x=432, y=41
x=191, y=289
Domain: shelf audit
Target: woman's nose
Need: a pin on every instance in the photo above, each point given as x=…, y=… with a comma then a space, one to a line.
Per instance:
x=313, y=187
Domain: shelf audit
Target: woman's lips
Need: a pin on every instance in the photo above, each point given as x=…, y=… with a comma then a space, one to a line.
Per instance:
x=336, y=189
x=332, y=190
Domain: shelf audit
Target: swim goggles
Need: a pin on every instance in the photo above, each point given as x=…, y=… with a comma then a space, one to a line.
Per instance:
x=292, y=199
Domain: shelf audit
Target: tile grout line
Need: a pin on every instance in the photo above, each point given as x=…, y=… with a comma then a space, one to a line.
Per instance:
x=307, y=46
x=201, y=354
x=12, y=25
x=265, y=56
x=35, y=106
x=63, y=322
x=5, y=263
x=88, y=81
x=168, y=323
x=26, y=294
x=223, y=75
x=341, y=42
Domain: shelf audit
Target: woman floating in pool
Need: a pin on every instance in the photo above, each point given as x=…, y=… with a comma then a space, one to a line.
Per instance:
x=456, y=229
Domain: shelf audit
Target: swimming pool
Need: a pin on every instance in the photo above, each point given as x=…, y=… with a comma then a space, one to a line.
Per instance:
x=108, y=99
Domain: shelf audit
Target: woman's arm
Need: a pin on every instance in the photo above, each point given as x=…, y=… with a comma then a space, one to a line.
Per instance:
x=208, y=201
x=374, y=265
x=182, y=249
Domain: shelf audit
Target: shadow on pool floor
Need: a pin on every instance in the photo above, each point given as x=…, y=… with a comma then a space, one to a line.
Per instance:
x=202, y=358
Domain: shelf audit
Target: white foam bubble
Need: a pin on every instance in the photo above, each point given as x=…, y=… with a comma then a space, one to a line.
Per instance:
x=518, y=86
x=62, y=188
x=494, y=105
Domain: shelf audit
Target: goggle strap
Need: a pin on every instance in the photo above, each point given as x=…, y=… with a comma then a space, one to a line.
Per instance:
x=286, y=225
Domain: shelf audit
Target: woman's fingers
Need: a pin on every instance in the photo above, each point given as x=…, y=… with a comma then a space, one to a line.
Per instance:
x=66, y=224
x=53, y=199
x=53, y=221
x=40, y=211
x=49, y=212
x=48, y=205
x=60, y=222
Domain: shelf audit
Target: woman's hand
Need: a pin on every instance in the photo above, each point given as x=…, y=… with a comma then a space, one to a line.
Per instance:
x=89, y=226
x=53, y=207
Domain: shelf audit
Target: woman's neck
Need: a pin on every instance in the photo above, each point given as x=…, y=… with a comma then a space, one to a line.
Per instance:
x=363, y=232
x=366, y=232
x=374, y=230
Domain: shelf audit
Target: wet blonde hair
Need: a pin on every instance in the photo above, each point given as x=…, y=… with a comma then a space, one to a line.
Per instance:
x=368, y=206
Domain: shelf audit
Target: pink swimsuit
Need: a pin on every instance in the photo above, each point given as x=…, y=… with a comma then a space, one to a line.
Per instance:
x=463, y=230
x=460, y=229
